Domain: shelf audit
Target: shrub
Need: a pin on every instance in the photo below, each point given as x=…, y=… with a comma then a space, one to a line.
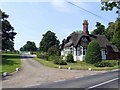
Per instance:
x=93, y=54
x=53, y=50
x=103, y=64
x=53, y=57
x=70, y=58
x=42, y=56
x=35, y=52
x=60, y=62
x=114, y=62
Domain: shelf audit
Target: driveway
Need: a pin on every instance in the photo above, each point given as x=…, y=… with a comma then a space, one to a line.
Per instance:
x=32, y=73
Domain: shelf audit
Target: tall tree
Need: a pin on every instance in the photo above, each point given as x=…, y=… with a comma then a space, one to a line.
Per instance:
x=8, y=33
x=49, y=39
x=29, y=46
x=116, y=36
x=100, y=29
x=53, y=51
x=110, y=31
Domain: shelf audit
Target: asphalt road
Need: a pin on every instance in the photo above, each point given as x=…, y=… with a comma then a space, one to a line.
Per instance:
x=104, y=80
x=33, y=73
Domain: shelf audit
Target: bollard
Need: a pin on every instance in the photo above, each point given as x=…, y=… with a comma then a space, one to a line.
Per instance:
x=89, y=69
x=60, y=67
x=69, y=68
x=5, y=74
x=17, y=69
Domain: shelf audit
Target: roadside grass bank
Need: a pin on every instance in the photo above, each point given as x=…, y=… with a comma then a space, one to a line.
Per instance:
x=10, y=62
x=76, y=66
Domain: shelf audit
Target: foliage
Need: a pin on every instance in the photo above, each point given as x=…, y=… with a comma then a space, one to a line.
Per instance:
x=43, y=55
x=116, y=36
x=53, y=50
x=100, y=29
x=103, y=64
x=59, y=61
x=70, y=58
x=93, y=54
x=113, y=62
x=8, y=33
x=76, y=66
x=49, y=39
x=110, y=31
x=109, y=5
x=29, y=46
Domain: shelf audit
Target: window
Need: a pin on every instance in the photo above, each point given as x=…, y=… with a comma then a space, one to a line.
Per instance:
x=84, y=50
x=84, y=39
x=69, y=50
x=103, y=53
x=78, y=51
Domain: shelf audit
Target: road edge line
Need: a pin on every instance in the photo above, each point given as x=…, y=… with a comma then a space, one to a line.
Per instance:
x=101, y=83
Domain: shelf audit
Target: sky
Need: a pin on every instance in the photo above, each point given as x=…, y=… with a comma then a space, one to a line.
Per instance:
x=33, y=19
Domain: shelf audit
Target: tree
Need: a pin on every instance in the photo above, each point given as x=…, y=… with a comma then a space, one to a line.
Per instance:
x=49, y=39
x=116, y=36
x=22, y=49
x=109, y=5
x=93, y=54
x=29, y=46
x=53, y=50
x=100, y=29
x=8, y=33
x=110, y=31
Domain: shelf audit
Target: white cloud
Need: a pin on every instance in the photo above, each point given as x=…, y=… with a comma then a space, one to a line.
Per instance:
x=60, y=5
x=64, y=6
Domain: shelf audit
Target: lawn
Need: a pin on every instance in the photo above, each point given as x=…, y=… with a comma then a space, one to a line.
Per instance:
x=10, y=62
x=76, y=66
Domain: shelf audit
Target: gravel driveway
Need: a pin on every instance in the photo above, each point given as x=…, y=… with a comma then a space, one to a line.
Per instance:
x=33, y=73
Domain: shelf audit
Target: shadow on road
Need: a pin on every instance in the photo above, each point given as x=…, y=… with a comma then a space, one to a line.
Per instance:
x=27, y=56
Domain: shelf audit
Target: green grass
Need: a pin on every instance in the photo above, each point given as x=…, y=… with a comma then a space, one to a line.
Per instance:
x=10, y=62
x=46, y=63
x=76, y=66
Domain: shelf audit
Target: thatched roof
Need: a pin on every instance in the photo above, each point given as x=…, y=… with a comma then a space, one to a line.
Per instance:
x=75, y=39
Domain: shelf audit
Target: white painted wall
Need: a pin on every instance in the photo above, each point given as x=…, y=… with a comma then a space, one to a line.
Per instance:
x=80, y=56
x=74, y=54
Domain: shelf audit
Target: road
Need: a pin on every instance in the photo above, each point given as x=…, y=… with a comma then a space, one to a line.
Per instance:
x=32, y=73
x=104, y=80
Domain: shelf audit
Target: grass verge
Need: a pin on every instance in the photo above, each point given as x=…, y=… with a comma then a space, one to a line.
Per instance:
x=10, y=62
x=75, y=66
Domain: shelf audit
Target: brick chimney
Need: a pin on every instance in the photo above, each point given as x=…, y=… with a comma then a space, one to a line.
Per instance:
x=85, y=27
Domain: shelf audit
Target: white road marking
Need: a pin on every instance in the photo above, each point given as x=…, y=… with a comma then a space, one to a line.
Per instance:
x=79, y=77
x=101, y=84
x=60, y=80
x=115, y=70
x=32, y=85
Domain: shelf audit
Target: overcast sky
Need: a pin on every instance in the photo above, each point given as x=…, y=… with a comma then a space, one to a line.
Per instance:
x=32, y=19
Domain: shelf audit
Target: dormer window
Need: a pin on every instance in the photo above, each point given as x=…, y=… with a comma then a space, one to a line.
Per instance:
x=84, y=39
